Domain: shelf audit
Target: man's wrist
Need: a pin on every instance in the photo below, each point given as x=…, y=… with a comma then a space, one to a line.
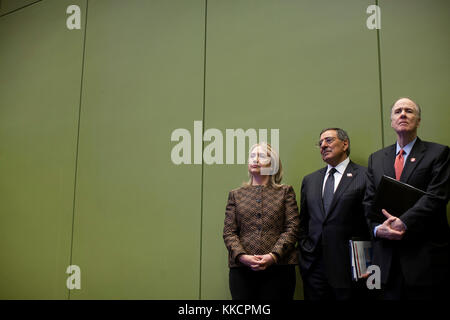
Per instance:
x=375, y=230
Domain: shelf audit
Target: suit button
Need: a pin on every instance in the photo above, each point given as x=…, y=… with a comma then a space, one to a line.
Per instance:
x=259, y=215
x=259, y=228
x=258, y=200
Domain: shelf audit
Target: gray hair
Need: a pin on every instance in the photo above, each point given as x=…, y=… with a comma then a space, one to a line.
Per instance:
x=342, y=135
x=415, y=103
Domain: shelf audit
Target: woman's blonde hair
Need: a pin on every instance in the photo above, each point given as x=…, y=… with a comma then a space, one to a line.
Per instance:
x=274, y=179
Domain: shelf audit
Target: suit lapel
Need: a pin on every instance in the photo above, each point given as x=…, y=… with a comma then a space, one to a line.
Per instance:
x=416, y=155
x=389, y=159
x=347, y=177
x=319, y=187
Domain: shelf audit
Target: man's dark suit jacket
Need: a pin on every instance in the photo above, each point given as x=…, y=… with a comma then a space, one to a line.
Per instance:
x=423, y=251
x=330, y=234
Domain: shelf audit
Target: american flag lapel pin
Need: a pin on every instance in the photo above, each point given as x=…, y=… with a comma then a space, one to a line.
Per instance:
x=349, y=175
x=413, y=159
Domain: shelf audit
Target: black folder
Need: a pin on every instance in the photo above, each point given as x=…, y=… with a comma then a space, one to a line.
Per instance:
x=395, y=197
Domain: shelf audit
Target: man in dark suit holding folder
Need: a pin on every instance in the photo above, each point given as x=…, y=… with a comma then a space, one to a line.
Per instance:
x=331, y=213
x=412, y=250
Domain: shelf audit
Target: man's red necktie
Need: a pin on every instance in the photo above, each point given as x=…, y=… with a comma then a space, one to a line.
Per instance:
x=398, y=165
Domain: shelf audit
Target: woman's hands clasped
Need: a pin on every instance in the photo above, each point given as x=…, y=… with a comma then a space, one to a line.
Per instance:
x=257, y=262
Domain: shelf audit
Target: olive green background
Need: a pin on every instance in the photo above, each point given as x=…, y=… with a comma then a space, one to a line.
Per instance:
x=86, y=117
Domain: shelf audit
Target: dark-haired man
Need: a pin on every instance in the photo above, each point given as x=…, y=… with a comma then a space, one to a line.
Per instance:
x=331, y=213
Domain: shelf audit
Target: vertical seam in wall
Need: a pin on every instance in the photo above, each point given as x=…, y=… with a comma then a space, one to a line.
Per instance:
x=380, y=83
x=203, y=164
x=15, y=10
x=78, y=137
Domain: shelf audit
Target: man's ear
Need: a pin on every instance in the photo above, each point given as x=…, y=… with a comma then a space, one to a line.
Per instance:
x=345, y=145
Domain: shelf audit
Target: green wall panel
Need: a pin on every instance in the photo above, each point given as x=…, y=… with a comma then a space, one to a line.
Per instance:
x=40, y=63
x=296, y=66
x=7, y=6
x=415, y=63
x=137, y=215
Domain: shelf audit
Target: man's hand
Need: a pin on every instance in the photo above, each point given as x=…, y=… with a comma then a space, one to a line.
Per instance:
x=392, y=228
x=396, y=224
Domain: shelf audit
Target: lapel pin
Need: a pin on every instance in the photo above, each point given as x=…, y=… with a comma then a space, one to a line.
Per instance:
x=349, y=175
x=413, y=159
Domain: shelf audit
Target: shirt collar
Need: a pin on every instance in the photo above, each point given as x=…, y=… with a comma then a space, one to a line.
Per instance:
x=407, y=148
x=340, y=167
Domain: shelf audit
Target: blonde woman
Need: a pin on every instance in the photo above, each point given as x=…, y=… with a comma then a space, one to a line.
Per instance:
x=261, y=223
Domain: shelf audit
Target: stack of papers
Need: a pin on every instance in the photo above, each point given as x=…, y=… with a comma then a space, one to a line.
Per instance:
x=361, y=255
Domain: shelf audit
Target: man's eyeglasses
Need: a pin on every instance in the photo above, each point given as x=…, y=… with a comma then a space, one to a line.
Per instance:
x=328, y=140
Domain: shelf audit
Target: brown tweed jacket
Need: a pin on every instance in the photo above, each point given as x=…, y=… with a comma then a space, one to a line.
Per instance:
x=260, y=220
